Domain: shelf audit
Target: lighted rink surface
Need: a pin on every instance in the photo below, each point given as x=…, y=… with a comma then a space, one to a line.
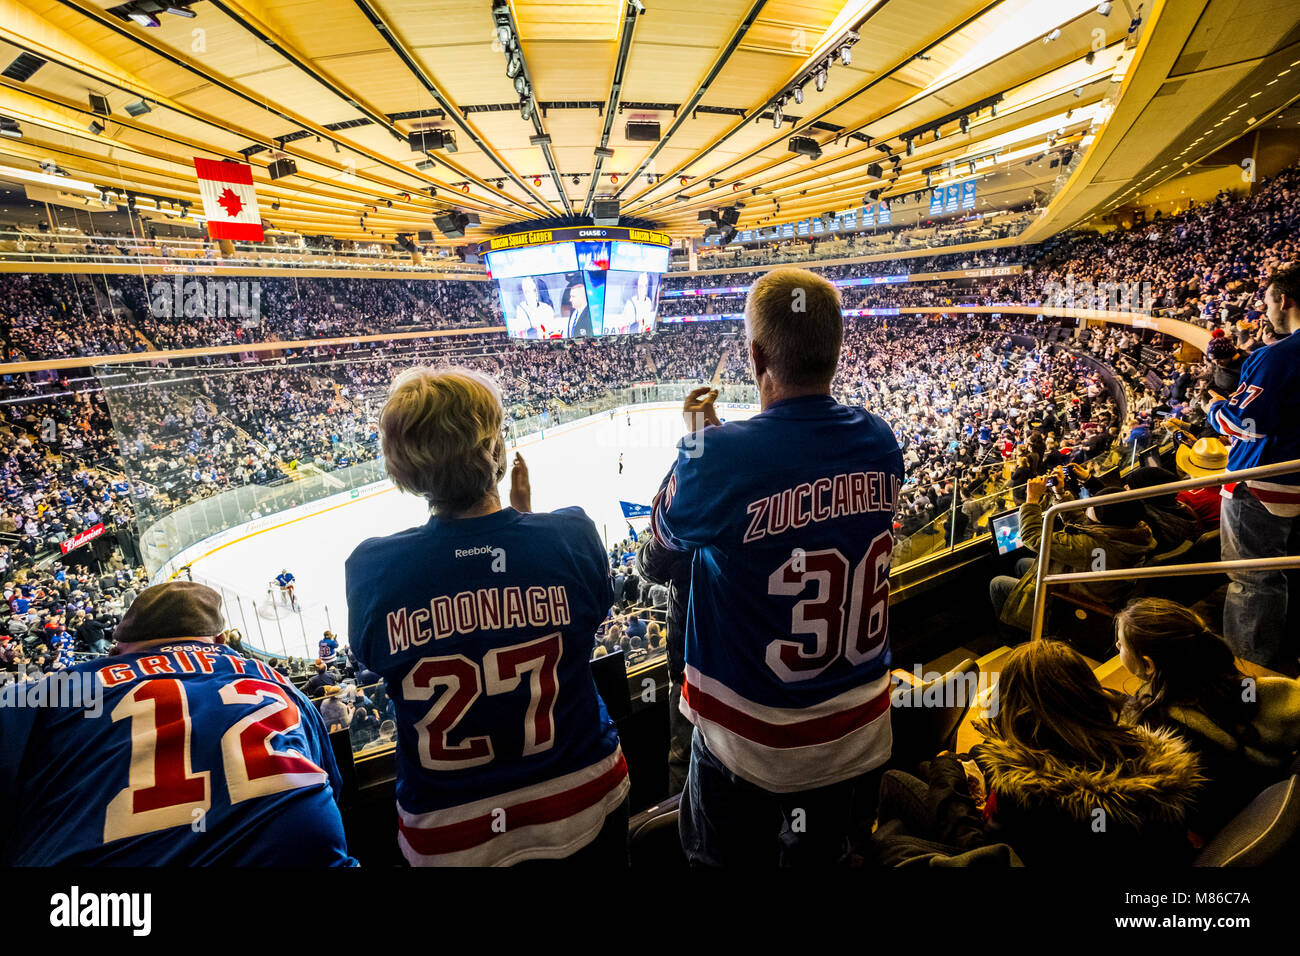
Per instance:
x=574, y=464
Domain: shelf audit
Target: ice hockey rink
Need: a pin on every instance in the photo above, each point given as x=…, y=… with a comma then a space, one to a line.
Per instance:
x=575, y=464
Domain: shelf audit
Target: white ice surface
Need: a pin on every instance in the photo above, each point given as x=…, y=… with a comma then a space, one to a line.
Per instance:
x=573, y=467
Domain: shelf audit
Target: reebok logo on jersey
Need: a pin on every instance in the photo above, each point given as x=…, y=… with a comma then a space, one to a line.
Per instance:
x=498, y=555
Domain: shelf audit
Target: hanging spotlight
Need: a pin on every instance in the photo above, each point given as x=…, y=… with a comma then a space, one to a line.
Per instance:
x=911, y=147
x=964, y=123
x=822, y=75
x=683, y=180
x=537, y=180
x=798, y=94
x=575, y=181
x=936, y=134
x=613, y=178
x=514, y=65
x=846, y=55
x=521, y=85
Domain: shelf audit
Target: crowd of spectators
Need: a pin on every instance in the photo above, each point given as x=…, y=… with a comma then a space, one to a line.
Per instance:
x=990, y=403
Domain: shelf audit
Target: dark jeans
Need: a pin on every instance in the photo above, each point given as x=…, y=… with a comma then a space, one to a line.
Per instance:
x=1000, y=587
x=728, y=821
x=679, y=740
x=1255, y=610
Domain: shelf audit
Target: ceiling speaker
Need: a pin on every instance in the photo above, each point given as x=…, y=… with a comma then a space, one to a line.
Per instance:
x=604, y=212
x=642, y=132
x=282, y=167
x=452, y=224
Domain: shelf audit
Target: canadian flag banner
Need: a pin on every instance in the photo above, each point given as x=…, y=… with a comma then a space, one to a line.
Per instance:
x=229, y=202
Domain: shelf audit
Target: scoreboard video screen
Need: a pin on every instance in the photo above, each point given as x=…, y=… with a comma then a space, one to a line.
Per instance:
x=584, y=287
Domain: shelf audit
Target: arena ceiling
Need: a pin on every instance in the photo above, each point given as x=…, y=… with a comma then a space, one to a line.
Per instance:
x=338, y=86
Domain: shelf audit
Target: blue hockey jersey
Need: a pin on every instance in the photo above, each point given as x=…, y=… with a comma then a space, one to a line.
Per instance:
x=183, y=754
x=789, y=516
x=483, y=629
x=1259, y=419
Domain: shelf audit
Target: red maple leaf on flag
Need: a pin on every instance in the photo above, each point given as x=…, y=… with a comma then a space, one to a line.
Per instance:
x=230, y=202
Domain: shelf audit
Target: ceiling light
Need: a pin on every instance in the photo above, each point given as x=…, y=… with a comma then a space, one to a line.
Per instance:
x=138, y=108
x=798, y=94
x=1103, y=9
x=822, y=75
x=776, y=116
x=521, y=85
x=911, y=148
x=95, y=127
x=514, y=65
x=846, y=55
x=144, y=19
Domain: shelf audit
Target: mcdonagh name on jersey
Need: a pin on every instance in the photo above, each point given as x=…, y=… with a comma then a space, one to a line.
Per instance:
x=852, y=493
x=486, y=609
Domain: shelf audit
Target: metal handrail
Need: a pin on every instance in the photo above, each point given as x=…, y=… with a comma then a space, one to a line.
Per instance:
x=1042, y=579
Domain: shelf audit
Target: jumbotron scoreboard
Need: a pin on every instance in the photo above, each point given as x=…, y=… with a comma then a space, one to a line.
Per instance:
x=576, y=282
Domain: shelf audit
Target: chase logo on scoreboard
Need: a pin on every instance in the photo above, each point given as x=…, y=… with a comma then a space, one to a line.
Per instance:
x=540, y=237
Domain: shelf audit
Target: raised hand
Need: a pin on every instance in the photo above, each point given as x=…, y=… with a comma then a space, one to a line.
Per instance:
x=521, y=491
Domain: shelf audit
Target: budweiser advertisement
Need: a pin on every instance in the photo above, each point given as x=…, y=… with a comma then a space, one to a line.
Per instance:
x=83, y=537
x=229, y=202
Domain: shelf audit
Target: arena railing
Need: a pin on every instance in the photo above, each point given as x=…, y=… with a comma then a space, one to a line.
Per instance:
x=832, y=249
x=939, y=534
x=66, y=249
x=1043, y=579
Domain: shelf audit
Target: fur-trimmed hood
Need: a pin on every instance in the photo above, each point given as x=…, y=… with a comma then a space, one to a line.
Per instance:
x=1159, y=784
